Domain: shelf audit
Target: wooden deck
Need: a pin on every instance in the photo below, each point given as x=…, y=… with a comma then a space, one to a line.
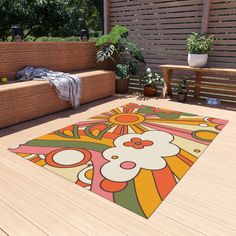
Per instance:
x=34, y=201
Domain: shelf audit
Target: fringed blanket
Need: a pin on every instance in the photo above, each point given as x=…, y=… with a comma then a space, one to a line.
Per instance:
x=68, y=86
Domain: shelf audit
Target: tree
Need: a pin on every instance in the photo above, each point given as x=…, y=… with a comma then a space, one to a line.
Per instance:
x=83, y=14
x=9, y=14
x=50, y=17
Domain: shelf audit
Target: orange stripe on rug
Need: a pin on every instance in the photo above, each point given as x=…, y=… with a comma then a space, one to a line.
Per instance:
x=187, y=161
x=188, y=155
x=165, y=181
x=177, y=166
x=146, y=186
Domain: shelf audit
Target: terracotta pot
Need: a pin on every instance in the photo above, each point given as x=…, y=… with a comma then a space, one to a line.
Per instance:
x=150, y=91
x=182, y=97
x=122, y=85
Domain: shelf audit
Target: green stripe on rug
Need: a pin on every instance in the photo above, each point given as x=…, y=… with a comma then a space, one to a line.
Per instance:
x=68, y=144
x=128, y=199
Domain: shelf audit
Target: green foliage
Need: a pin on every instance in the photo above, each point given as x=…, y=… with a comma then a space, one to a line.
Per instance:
x=57, y=39
x=71, y=39
x=150, y=79
x=105, y=52
x=117, y=32
x=117, y=47
x=49, y=39
x=182, y=86
x=133, y=49
x=29, y=38
x=53, y=18
x=199, y=44
x=133, y=67
x=94, y=34
x=122, y=71
x=82, y=14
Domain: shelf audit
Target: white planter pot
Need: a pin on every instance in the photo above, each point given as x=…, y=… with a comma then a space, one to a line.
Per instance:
x=197, y=60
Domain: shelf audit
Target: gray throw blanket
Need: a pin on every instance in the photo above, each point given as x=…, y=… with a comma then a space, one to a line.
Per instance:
x=68, y=87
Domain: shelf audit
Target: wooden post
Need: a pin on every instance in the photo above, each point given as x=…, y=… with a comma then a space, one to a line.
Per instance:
x=106, y=15
x=167, y=79
x=198, y=83
x=205, y=16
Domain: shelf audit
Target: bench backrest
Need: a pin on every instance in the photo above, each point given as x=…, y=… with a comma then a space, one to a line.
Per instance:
x=59, y=56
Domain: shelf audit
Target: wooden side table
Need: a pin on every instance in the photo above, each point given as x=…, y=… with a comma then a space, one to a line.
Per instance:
x=167, y=71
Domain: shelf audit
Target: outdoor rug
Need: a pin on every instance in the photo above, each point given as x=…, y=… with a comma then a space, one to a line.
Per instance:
x=133, y=155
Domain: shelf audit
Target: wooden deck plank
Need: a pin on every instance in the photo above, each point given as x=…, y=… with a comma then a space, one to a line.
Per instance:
x=87, y=200
x=61, y=207
x=12, y=223
x=34, y=211
x=212, y=212
x=202, y=224
x=202, y=203
x=3, y=233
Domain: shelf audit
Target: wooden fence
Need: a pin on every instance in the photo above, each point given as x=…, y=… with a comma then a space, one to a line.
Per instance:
x=160, y=29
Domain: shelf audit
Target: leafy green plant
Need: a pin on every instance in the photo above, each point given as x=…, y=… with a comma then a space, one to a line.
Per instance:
x=117, y=32
x=122, y=71
x=124, y=53
x=199, y=44
x=182, y=86
x=151, y=79
x=133, y=67
x=106, y=52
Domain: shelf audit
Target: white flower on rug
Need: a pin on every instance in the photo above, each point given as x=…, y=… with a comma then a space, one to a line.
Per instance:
x=135, y=151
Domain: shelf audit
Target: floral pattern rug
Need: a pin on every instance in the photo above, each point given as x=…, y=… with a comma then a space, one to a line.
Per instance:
x=133, y=155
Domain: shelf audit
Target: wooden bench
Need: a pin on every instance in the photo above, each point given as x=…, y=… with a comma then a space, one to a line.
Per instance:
x=167, y=71
x=22, y=101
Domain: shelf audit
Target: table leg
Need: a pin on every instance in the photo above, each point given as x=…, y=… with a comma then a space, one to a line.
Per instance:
x=198, y=83
x=167, y=79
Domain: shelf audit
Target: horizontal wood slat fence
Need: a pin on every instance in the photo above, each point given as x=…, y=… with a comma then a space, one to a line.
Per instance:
x=160, y=29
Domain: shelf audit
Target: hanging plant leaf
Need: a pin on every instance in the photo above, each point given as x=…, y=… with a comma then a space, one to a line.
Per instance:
x=105, y=52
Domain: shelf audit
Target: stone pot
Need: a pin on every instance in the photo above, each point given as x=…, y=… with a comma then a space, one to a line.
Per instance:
x=150, y=91
x=122, y=85
x=182, y=97
x=197, y=60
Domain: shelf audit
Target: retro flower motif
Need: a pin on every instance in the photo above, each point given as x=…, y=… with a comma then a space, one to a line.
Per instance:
x=138, y=143
x=125, y=162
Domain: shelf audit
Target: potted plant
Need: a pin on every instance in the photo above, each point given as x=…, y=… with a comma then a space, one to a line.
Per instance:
x=122, y=78
x=125, y=54
x=198, y=47
x=182, y=90
x=150, y=81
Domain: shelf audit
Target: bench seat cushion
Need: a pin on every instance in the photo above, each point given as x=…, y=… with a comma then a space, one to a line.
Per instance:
x=22, y=101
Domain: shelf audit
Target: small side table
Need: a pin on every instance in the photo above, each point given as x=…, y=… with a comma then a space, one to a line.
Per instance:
x=167, y=71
